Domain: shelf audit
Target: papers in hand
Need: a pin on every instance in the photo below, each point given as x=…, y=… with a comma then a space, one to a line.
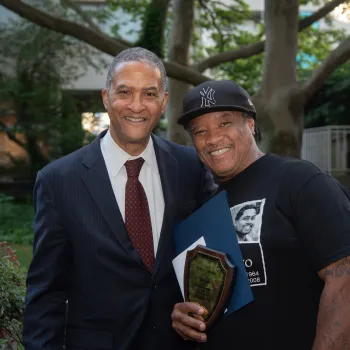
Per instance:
x=179, y=263
x=212, y=222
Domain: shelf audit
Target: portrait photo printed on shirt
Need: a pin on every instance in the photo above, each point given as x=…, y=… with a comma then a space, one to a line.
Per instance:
x=247, y=220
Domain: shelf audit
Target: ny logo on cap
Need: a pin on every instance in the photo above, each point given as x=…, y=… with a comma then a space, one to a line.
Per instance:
x=207, y=97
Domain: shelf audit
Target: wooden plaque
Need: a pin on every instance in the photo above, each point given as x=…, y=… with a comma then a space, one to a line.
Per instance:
x=208, y=280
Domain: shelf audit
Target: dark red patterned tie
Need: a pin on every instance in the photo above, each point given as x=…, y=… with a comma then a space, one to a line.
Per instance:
x=137, y=217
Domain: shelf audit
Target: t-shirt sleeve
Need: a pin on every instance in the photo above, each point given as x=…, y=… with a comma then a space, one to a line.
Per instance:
x=322, y=219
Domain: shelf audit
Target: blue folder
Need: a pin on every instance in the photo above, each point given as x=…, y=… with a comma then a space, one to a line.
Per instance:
x=213, y=221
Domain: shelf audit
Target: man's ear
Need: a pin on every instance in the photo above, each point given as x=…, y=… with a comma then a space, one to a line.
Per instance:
x=165, y=101
x=105, y=98
x=251, y=124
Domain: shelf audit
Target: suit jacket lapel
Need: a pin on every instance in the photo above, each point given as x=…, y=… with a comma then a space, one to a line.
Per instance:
x=168, y=170
x=98, y=184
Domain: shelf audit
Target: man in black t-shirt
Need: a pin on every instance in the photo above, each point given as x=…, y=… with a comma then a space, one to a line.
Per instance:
x=293, y=226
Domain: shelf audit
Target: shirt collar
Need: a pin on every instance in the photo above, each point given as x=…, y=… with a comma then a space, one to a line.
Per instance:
x=117, y=157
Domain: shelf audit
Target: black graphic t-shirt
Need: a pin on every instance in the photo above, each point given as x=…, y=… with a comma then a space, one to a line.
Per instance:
x=291, y=220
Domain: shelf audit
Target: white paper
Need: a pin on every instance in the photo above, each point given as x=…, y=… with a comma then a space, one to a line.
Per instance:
x=179, y=263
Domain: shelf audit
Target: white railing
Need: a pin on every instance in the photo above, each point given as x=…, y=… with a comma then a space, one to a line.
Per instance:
x=328, y=148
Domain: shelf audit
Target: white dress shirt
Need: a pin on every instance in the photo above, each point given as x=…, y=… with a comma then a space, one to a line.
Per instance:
x=149, y=177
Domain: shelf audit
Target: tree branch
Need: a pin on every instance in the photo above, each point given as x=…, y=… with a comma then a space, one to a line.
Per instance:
x=213, y=21
x=230, y=56
x=223, y=5
x=12, y=136
x=100, y=41
x=322, y=12
x=88, y=20
x=255, y=15
x=75, y=7
x=256, y=48
x=335, y=59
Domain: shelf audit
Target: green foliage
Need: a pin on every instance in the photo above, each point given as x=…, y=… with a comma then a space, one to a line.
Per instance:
x=314, y=46
x=12, y=292
x=223, y=20
x=227, y=31
x=216, y=26
x=35, y=64
x=219, y=26
x=312, y=2
x=152, y=35
x=152, y=14
x=133, y=11
x=3, y=342
x=246, y=72
x=24, y=254
x=330, y=106
x=16, y=221
x=68, y=127
x=222, y=27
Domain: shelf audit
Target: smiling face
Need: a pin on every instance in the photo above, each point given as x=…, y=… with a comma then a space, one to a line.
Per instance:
x=134, y=102
x=224, y=142
x=245, y=222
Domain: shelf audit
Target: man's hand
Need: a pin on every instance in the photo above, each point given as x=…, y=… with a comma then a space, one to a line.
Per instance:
x=188, y=321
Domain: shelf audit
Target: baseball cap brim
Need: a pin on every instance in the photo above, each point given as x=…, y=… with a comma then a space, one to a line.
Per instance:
x=194, y=113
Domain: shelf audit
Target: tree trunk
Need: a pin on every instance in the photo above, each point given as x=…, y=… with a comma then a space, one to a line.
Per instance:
x=179, y=46
x=36, y=158
x=176, y=132
x=281, y=123
x=279, y=117
x=279, y=101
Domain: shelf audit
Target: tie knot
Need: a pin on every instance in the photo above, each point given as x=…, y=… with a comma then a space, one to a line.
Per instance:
x=134, y=166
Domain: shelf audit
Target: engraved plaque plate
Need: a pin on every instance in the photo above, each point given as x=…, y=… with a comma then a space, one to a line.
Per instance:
x=208, y=280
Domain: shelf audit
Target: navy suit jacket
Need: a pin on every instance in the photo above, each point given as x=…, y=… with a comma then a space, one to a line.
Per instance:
x=83, y=254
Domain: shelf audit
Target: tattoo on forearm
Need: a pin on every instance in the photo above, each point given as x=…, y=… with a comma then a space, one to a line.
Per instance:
x=340, y=269
x=333, y=322
x=332, y=329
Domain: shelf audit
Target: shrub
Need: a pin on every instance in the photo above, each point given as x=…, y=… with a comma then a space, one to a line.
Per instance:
x=12, y=293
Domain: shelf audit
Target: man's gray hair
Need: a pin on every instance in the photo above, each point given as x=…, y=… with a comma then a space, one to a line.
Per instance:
x=137, y=54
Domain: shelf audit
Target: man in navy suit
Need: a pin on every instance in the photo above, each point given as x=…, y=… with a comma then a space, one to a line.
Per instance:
x=103, y=225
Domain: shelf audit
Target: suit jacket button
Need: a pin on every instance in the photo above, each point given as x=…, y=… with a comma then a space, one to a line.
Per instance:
x=154, y=286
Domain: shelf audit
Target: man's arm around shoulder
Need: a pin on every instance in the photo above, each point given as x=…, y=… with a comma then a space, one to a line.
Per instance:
x=45, y=305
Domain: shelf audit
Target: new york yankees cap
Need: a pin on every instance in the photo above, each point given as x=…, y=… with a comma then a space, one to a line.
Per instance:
x=215, y=96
